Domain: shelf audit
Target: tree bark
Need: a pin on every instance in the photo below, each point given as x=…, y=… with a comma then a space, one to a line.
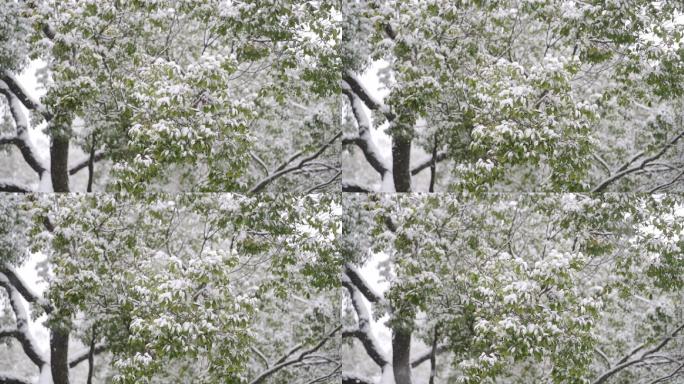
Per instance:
x=433, y=357
x=59, y=159
x=401, y=164
x=401, y=356
x=59, y=355
x=91, y=165
x=91, y=359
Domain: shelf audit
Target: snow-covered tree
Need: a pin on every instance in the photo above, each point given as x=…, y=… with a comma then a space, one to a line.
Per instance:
x=557, y=288
x=190, y=288
x=514, y=95
x=172, y=95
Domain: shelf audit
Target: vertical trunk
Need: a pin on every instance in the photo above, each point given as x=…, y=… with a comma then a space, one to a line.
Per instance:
x=433, y=168
x=401, y=356
x=91, y=359
x=59, y=159
x=59, y=357
x=433, y=358
x=91, y=165
x=401, y=164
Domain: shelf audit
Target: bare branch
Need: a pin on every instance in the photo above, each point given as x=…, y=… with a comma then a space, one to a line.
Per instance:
x=426, y=356
x=325, y=183
x=83, y=355
x=668, y=184
x=263, y=183
x=298, y=359
x=626, y=170
x=427, y=162
x=678, y=370
x=99, y=155
x=625, y=362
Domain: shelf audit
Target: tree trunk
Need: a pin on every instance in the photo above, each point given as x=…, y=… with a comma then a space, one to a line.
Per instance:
x=59, y=357
x=401, y=164
x=59, y=160
x=401, y=356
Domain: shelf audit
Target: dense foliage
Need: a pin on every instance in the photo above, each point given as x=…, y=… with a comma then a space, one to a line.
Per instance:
x=516, y=95
x=194, y=288
x=177, y=95
x=519, y=288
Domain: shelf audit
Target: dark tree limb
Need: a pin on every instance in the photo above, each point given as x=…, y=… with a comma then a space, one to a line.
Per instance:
x=6, y=378
x=428, y=162
x=353, y=379
x=59, y=355
x=19, y=91
x=287, y=362
x=83, y=356
x=361, y=284
x=20, y=139
x=348, y=186
x=427, y=356
x=99, y=155
x=283, y=169
x=401, y=352
x=401, y=164
x=59, y=160
x=11, y=187
x=363, y=332
x=628, y=361
x=627, y=169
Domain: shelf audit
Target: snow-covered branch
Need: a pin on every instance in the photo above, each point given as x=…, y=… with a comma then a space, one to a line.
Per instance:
x=13, y=84
x=22, y=332
x=6, y=186
x=354, y=379
x=21, y=139
x=363, y=333
x=355, y=85
x=348, y=186
x=6, y=378
x=361, y=284
x=364, y=140
x=21, y=287
x=677, y=371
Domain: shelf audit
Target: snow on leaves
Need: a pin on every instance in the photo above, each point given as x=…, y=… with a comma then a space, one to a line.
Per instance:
x=189, y=281
x=525, y=286
x=522, y=95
